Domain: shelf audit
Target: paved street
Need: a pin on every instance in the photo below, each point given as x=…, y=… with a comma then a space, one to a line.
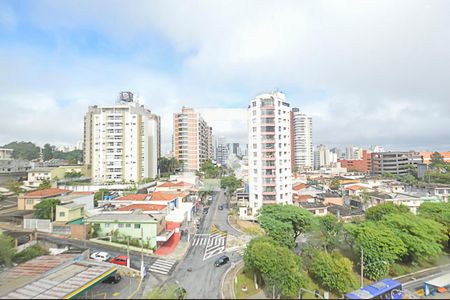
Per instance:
x=197, y=273
x=416, y=282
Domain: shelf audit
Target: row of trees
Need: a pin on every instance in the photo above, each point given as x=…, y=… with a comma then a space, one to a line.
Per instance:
x=390, y=234
x=168, y=166
x=231, y=183
x=29, y=151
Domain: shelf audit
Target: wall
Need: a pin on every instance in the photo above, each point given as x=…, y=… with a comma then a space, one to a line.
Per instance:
x=333, y=200
x=149, y=231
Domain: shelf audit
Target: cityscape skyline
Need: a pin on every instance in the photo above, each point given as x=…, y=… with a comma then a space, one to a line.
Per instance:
x=381, y=91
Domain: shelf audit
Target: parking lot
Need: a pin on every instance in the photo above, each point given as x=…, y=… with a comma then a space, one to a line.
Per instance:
x=122, y=290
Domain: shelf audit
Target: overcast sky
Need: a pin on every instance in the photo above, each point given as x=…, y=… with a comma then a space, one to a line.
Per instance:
x=369, y=72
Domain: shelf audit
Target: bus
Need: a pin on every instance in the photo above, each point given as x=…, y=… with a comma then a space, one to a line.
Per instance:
x=384, y=289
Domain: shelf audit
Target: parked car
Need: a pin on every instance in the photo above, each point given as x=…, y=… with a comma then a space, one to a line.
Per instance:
x=120, y=260
x=113, y=279
x=101, y=256
x=221, y=261
x=220, y=207
x=205, y=210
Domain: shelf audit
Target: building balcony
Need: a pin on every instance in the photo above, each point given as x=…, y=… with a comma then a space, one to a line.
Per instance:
x=269, y=167
x=269, y=193
x=269, y=184
x=268, y=124
x=268, y=175
x=268, y=133
x=269, y=158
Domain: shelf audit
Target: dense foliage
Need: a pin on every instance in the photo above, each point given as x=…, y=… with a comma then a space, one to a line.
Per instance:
x=330, y=231
x=7, y=250
x=376, y=213
x=231, y=183
x=29, y=151
x=23, y=150
x=285, y=222
x=210, y=170
x=276, y=264
x=333, y=272
x=168, y=166
x=29, y=253
x=46, y=184
x=437, y=211
x=45, y=208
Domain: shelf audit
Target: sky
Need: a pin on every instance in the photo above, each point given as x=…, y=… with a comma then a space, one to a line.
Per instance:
x=373, y=72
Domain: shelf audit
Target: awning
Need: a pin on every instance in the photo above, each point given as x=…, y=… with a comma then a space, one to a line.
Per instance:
x=441, y=281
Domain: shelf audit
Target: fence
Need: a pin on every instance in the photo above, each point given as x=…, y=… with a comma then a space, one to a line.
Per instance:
x=38, y=224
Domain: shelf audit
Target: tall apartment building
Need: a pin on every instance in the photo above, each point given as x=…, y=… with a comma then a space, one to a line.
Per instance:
x=222, y=151
x=302, y=140
x=192, y=139
x=269, y=151
x=394, y=162
x=121, y=141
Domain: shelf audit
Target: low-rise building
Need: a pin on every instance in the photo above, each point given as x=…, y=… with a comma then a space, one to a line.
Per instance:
x=317, y=208
x=69, y=212
x=29, y=200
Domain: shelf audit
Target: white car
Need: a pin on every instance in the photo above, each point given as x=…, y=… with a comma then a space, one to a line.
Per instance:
x=101, y=256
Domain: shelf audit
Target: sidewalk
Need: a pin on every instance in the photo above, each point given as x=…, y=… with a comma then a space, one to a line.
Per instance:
x=178, y=253
x=228, y=281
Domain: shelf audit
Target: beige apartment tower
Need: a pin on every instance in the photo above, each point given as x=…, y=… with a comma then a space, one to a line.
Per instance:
x=192, y=139
x=121, y=141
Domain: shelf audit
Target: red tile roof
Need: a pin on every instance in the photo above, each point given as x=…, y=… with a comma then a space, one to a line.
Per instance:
x=144, y=207
x=354, y=188
x=174, y=184
x=46, y=193
x=299, y=186
x=134, y=197
x=302, y=198
x=82, y=193
x=161, y=196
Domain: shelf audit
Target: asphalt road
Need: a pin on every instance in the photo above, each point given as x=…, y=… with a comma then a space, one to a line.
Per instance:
x=199, y=277
x=416, y=282
x=135, y=257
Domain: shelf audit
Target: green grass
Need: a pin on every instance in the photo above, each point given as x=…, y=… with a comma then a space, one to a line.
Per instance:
x=244, y=279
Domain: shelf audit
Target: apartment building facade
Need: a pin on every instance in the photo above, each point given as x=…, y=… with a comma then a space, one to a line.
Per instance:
x=269, y=151
x=396, y=163
x=122, y=141
x=192, y=139
x=302, y=140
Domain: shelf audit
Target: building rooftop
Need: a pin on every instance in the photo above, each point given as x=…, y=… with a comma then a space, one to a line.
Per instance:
x=174, y=184
x=307, y=205
x=53, y=277
x=71, y=205
x=299, y=186
x=144, y=207
x=161, y=196
x=134, y=197
x=345, y=211
x=46, y=193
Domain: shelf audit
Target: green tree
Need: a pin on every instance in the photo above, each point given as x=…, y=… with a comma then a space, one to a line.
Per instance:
x=24, y=150
x=376, y=213
x=423, y=238
x=74, y=174
x=100, y=194
x=7, y=250
x=230, y=182
x=409, y=179
x=44, y=209
x=14, y=187
x=389, y=175
x=172, y=291
x=381, y=248
x=47, y=152
x=29, y=253
x=276, y=265
x=333, y=272
x=46, y=184
x=210, y=170
x=436, y=159
x=295, y=220
x=437, y=211
x=72, y=157
x=330, y=231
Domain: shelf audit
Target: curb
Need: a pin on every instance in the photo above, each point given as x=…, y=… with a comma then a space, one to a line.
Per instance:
x=238, y=230
x=420, y=271
x=236, y=265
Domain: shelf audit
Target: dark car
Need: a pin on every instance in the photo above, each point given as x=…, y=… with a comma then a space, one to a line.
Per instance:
x=205, y=210
x=221, y=261
x=220, y=207
x=113, y=279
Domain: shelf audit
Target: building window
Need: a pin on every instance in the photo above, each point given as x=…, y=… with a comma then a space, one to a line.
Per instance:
x=29, y=201
x=120, y=225
x=107, y=225
x=62, y=214
x=254, y=112
x=137, y=226
x=254, y=103
x=127, y=225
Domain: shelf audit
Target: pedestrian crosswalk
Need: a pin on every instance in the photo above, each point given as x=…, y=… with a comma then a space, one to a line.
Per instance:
x=200, y=240
x=216, y=242
x=162, y=266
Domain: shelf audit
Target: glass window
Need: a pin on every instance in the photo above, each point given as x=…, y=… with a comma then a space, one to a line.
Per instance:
x=127, y=225
x=62, y=214
x=107, y=225
x=121, y=225
x=137, y=226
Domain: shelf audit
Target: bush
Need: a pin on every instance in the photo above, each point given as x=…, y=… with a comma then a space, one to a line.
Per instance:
x=29, y=253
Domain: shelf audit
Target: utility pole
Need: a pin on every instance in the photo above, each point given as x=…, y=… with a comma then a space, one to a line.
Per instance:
x=128, y=251
x=362, y=267
x=51, y=213
x=142, y=251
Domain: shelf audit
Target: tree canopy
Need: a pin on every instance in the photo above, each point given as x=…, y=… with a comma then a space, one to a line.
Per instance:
x=46, y=184
x=43, y=210
x=210, y=170
x=437, y=211
x=23, y=150
x=376, y=213
x=168, y=165
x=230, y=182
x=333, y=272
x=7, y=250
x=276, y=264
x=330, y=230
x=293, y=220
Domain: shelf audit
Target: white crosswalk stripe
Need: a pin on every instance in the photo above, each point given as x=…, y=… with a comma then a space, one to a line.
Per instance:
x=162, y=266
x=200, y=240
x=216, y=245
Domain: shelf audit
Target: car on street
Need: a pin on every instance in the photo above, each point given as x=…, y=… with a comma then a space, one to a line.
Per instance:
x=205, y=210
x=113, y=279
x=221, y=261
x=101, y=256
x=220, y=207
x=119, y=260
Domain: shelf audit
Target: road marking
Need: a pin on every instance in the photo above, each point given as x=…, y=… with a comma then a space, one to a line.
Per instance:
x=162, y=266
x=200, y=240
x=216, y=243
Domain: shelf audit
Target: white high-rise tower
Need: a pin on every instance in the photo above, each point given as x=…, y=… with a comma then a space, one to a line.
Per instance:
x=303, y=141
x=269, y=151
x=121, y=141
